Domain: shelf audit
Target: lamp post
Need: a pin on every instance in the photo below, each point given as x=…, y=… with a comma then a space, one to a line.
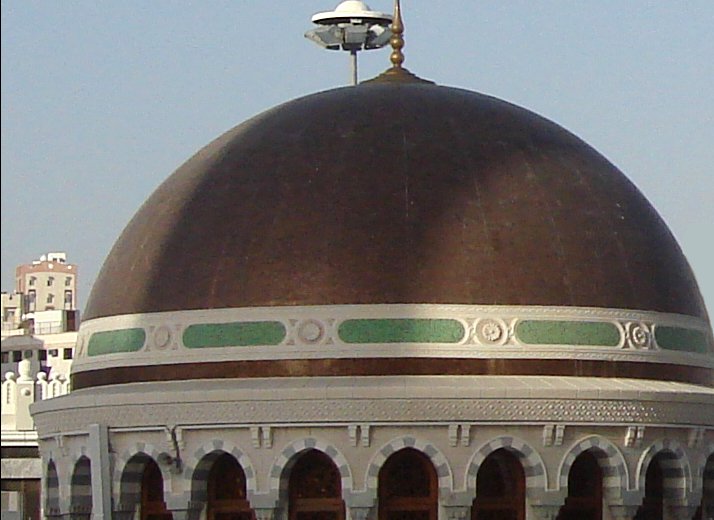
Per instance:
x=352, y=27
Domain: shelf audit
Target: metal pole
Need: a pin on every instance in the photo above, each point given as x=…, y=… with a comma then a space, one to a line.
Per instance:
x=353, y=54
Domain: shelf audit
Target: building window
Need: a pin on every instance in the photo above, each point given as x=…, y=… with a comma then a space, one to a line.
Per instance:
x=5, y=357
x=42, y=354
x=68, y=281
x=16, y=356
x=50, y=281
x=27, y=354
x=50, y=298
x=67, y=298
x=67, y=353
x=32, y=281
x=53, y=352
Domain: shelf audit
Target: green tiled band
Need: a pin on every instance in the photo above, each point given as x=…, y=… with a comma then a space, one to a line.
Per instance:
x=236, y=334
x=112, y=341
x=687, y=340
x=401, y=331
x=546, y=332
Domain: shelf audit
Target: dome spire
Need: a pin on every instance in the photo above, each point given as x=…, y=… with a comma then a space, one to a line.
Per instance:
x=397, y=73
x=397, y=40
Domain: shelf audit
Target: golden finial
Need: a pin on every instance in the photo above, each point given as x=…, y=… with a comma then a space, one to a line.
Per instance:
x=396, y=73
x=397, y=40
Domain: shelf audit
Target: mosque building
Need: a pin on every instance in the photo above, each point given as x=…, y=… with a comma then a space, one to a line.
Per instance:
x=395, y=300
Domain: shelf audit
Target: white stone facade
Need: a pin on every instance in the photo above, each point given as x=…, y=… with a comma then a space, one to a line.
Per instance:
x=359, y=422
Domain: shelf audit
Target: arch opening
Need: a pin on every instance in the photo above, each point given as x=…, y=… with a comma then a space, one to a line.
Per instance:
x=81, y=489
x=500, y=488
x=706, y=508
x=585, y=490
x=52, y=502
x=315, y=488
x=152, y=506
x=407, y=487
x=226, y=496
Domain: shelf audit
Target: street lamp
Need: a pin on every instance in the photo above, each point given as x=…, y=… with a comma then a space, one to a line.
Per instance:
x=352, y=27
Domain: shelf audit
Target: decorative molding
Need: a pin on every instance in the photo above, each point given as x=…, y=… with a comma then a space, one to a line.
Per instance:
x=634, y=436
x=310, y=331
x=581, y=410
x=553, y=434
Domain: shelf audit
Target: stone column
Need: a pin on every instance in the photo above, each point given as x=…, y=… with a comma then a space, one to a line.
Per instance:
x=124, y=511
x=623, y=512
x=457, y=512
x=98, y=446
x=679, y=511
x=182, y=507
x=360, y=512
x=545, y=511
x=267, y=513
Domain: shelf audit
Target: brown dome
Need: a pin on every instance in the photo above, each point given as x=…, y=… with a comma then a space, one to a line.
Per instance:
x=396, y=193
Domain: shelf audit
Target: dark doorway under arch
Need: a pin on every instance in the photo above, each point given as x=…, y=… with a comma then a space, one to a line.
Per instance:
x=500, y=488
x=226, y=491
x=408, y=487
x=584, y=500
x=315, y=488
x=153, y=506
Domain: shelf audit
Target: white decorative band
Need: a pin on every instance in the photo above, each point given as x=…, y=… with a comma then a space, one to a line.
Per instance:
x=393, y=330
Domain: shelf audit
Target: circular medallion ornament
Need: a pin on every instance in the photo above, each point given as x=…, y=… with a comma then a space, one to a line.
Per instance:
x=311, y=331
x=162, y=337
x=638, y=335
x=490, y=332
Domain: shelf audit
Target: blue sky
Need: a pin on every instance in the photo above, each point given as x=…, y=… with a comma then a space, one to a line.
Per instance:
x=101, y=101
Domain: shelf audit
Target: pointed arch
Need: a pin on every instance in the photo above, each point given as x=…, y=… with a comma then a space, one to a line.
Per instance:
x=609, y=458
x=500, y=487
x=533, y=466
x=678, y=482
x=314, y=487
x=81, y=488
x=199, y=466
x=52, y=495
x=284, y=462
x=441, y=464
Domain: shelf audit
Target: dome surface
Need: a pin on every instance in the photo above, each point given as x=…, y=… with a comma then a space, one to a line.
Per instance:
x=406, y=193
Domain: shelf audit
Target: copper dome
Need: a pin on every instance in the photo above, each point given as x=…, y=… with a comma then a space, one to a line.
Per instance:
x=396, y=193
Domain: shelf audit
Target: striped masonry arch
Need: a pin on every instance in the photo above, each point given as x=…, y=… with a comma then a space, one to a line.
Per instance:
x=675, y=467
x=533, y=467
x=706, y=478
x=443, y=470
x=52, y=494
x=81, y=487
x=199, y=467
x=130, y=472
x=280, y=471
x=615, y=476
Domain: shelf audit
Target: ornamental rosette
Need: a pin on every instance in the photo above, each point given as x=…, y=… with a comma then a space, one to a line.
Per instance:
x=638, y=335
